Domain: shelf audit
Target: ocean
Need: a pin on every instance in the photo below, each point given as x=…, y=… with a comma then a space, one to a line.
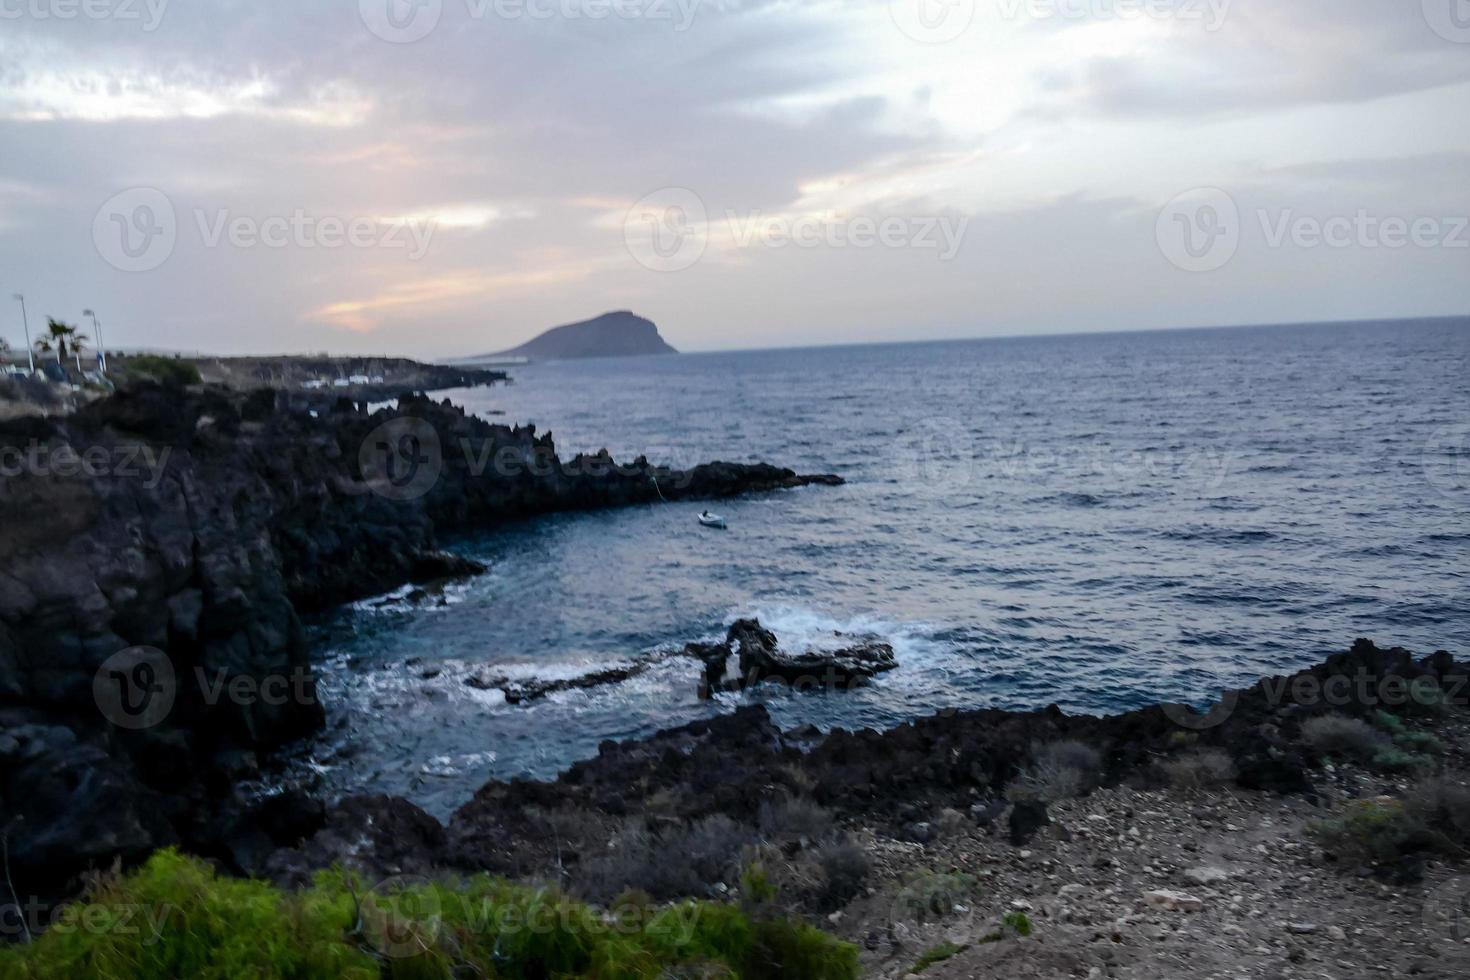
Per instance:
x=1093, y=521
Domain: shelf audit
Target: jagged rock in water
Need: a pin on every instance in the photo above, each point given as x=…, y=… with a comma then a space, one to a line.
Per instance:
x=758, y=657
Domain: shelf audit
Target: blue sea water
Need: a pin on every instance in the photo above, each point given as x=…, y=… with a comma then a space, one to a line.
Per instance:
x=1098, y=522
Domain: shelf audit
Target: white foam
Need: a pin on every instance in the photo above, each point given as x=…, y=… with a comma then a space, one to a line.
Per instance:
x=803, y=628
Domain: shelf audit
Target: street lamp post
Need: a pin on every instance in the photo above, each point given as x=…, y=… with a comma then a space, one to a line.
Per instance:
x=30, y=351
x=97, y=332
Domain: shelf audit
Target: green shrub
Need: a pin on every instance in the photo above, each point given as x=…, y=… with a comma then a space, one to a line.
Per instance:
x=1388, y=721
x=1398, y=761
x=1433, y=818
x=936, y=954
x=1420, y=742
x=1406, y=738
x=194, y=923
x=1369, y=831
x=165, y=370
x=1018, y=922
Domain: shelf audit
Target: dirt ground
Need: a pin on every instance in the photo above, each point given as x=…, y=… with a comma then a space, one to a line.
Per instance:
x=1251, y=897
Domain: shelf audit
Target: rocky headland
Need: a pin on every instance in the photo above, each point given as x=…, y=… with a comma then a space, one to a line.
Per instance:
x=166, y=541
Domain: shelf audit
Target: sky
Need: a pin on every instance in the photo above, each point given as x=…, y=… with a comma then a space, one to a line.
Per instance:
x=447, y=177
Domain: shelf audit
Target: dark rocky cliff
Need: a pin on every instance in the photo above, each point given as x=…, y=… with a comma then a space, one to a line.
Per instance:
x=197, y=526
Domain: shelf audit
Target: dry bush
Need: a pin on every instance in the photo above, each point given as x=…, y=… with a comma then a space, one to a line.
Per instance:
x=795, y=818
x=821, y=879
x=1444, y=807
x=1200, y=768
x=1344, y=738
x=845, y=867
x=1059, y=771
x=675, y=863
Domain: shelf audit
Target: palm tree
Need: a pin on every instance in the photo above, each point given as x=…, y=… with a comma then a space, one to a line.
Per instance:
x=43, y=345
x=59, y=333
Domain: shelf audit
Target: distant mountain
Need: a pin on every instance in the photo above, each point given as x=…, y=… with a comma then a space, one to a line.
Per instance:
x=620, y=334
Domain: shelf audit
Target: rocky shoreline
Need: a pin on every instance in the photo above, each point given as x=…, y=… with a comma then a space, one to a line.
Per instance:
x=183, y=533
x=1154, y=844
x=166, y=541
x=903, y=779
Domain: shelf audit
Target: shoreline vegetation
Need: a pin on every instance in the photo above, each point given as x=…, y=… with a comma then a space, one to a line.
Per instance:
x=170, y=533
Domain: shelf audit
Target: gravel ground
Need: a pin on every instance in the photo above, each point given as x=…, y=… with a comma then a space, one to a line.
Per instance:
x=1218, y=884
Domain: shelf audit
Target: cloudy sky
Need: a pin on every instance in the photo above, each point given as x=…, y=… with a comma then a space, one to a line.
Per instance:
x=446, y=177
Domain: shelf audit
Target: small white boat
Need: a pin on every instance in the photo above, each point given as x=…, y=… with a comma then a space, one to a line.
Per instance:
x=712, y=520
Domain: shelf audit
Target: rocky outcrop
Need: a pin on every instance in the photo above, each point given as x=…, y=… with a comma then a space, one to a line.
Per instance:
x=156, y=551
x=757, y=656
x=617, y=334
x=960, y=760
